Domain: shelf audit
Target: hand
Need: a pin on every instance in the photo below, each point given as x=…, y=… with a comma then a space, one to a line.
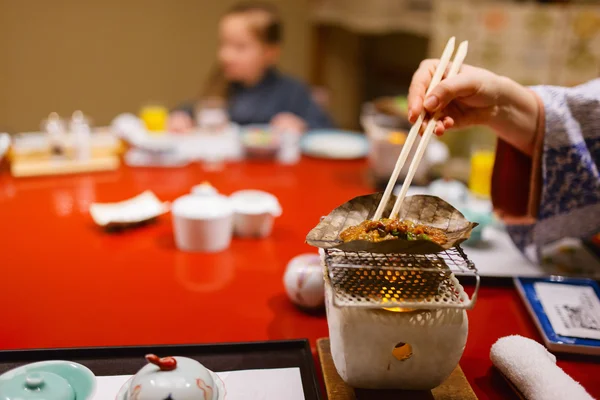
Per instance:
x=477, y=97
x=179, y=122
x=286, y=121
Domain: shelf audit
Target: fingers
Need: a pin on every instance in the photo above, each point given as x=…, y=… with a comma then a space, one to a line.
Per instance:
x=462, y=85
x=418, y=87
x=440, y=127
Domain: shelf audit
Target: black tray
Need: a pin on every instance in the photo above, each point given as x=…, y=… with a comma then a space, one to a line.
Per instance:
x=105, y=361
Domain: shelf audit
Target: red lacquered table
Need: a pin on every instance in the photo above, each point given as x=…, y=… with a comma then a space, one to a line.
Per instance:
x=65, y=283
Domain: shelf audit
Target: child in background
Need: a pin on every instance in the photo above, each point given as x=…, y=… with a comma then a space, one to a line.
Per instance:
x=546, y=180
x=255, y=92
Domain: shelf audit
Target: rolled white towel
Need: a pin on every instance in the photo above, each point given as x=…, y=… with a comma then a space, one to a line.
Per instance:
x=533, y=370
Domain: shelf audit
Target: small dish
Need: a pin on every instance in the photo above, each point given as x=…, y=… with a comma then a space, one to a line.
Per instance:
x=335, y=144
x=483, y=218
x=141, y=208
x=255, y=212
x=259, y=142
x=202, y=223
x=48, y=380
x=453, y=191
x=141, y=158
x=174, y=378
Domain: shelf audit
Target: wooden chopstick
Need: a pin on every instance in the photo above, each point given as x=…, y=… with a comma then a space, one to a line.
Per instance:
x=414, y=131
x=461, y=54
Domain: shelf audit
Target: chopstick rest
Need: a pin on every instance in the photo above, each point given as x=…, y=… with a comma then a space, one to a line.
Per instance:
x=533, y=371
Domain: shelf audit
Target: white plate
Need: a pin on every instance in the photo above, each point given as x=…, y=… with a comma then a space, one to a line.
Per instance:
x=335, y=144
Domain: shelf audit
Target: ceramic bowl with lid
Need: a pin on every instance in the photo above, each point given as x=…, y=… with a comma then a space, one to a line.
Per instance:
x=255, y=212
x=48, y=380
x=202, y=223
x=173, y=378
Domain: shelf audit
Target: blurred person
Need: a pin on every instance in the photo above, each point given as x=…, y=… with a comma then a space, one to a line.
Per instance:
x=546, y=180
x=250, y=38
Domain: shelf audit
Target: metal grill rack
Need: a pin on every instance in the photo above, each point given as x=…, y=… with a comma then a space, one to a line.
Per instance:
x=405, y=281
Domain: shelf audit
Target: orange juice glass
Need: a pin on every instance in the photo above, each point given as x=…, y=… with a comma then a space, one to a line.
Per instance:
x=155, y=118
x=482, y=165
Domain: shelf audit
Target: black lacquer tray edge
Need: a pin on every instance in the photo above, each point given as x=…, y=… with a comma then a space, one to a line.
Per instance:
x=13, y=358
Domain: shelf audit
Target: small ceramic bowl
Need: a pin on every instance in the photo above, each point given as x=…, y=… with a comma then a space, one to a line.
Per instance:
x=259, y=142
x=454, y=192
x=48, y=380
x=202, y=223
x=303, y=281
x=483, y=218
x=173, y=378
x=255, y=212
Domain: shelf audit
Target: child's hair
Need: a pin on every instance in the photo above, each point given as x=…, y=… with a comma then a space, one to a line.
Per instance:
x=265, y=22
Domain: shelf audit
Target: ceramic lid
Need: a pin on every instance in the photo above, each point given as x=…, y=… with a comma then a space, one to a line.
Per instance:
x=204, y=189
x=255, y=202
x=202, y=207
x=174, y=378
x=38, y=385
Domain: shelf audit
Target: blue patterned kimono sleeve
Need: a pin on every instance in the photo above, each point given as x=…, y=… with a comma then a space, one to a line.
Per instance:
x=570, y=193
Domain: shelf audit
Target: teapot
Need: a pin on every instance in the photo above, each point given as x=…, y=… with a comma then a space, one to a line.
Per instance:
x=173, y=378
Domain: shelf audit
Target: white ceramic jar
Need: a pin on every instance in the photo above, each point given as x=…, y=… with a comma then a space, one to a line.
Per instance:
x=202, y=223
x=255, y=212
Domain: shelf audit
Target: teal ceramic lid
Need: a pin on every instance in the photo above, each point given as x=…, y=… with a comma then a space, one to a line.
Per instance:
x=48, y=380
x=36, y=386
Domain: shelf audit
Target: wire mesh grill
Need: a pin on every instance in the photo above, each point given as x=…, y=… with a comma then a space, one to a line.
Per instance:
x=399, y=280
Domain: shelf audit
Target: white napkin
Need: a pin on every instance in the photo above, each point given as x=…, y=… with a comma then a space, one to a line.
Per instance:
x=533, y=370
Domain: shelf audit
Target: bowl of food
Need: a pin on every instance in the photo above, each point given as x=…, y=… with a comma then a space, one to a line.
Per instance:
x=175, y=378
x=424, y=225
x=259, y=142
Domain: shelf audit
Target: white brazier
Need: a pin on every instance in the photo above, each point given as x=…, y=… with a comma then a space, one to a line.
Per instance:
x=381, y=349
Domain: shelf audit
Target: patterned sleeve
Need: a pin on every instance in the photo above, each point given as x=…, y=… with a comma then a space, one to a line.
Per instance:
x=569, y=196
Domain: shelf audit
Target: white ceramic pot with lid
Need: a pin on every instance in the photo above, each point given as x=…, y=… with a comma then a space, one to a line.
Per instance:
x=255, y=212
x=202, y=223
x=176, y=378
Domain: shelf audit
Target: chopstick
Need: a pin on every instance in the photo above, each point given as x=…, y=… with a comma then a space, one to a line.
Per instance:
x=461, y=54
x=414, y=131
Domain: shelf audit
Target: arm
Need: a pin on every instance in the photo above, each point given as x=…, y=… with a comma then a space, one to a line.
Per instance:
x=556, y=191
x=304, y=106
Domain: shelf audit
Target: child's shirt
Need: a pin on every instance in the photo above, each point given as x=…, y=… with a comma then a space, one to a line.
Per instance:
x=274, y=94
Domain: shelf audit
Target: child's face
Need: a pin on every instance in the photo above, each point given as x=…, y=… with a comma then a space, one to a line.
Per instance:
x=241, y=54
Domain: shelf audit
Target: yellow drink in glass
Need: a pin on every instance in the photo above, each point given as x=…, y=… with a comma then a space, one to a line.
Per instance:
x=155, y=118
x=482, y=165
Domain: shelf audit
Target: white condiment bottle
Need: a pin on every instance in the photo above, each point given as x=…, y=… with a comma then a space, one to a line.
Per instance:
x=56, y=133
x=289, y=148
x=80, y=129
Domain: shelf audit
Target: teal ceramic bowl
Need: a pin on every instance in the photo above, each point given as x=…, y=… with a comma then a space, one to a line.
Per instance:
x=48, y=380
x=483, y=218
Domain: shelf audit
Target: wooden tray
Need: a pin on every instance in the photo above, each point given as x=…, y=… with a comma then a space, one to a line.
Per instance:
x=26, y=168
x=456, y=387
